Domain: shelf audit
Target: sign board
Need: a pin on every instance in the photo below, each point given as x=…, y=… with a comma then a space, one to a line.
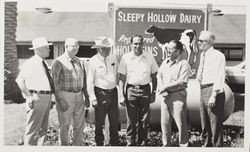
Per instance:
x=157, y=26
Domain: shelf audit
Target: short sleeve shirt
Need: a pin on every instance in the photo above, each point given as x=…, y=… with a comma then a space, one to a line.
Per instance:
x=171, y=72
x=138, y=69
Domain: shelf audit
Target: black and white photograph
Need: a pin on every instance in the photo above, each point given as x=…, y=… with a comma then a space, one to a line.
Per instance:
x=117, y=75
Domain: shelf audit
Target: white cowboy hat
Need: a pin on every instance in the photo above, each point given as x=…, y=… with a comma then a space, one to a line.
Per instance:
x=102, y=41
x=39, y=42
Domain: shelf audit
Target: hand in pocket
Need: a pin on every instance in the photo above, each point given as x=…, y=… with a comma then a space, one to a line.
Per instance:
x=30, y=102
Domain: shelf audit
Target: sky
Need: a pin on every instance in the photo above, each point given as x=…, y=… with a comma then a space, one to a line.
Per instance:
x=227, y=6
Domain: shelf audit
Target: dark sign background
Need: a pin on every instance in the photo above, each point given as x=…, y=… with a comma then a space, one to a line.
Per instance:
x=131, y=21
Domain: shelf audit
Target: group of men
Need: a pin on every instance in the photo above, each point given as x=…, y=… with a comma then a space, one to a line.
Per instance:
x=140, y=82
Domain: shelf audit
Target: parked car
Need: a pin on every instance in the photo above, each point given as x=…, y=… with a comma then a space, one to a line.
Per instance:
x=235, y=77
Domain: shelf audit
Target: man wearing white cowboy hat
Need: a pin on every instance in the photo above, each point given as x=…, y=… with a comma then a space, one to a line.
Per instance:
x=102, y=80
x=37, y=86
x=71, y=94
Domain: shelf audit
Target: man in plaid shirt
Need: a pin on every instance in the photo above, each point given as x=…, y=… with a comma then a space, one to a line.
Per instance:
x=70, y=91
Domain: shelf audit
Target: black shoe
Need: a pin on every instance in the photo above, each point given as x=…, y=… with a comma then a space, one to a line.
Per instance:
x=131, y=144
x=144, y=143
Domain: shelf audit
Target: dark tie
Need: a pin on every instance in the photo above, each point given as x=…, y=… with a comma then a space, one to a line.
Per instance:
x=73, y=64
x=49, y=77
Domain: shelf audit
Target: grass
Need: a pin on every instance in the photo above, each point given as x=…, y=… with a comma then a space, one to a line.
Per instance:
x=15, y=118
x=14, y=122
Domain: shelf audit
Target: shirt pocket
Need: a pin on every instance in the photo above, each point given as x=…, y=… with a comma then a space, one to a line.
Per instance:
x=112, y=68
x=101, y=70
x=144, y=67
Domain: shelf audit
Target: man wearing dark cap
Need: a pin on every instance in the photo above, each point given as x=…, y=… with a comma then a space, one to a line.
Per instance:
x=37, y=86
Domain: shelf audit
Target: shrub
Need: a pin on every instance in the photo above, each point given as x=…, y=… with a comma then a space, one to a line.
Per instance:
x=12, y=92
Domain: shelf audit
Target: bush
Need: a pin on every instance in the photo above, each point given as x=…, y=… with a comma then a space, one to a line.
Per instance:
x=11, y=90
x=231, y=136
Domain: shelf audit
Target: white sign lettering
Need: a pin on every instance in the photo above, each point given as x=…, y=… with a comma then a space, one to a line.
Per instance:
x=130, y=17
x=190, y=18
x=161, y=18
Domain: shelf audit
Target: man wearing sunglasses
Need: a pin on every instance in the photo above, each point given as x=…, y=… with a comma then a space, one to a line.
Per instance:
x=211, y=75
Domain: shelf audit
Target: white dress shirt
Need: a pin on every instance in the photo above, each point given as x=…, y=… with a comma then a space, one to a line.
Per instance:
x=101, y=75
x=34, y=74
x=138, y=69
x=214, y=69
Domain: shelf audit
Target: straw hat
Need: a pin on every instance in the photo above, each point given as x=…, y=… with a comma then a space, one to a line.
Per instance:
x=39, y=42
x=102, y=41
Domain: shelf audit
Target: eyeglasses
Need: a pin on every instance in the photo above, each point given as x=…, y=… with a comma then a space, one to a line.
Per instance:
x=201, y=41
x=172, y=49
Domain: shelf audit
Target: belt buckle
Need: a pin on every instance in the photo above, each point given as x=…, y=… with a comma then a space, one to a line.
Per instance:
x=76, y=91
x=137, y=87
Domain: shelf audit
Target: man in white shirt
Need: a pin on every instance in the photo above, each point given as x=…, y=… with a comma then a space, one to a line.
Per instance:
x=101, y=82
x=137, y=69
x=37, y=86
x=211, y=75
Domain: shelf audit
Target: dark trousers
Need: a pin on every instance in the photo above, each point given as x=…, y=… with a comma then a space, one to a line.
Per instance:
x=108, y=104
x=212, y=118
x=138, y=101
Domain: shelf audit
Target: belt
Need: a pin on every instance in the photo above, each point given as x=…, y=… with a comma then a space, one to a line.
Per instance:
x=138, y=86
x=206, y=85
x=107, y=90
x=72, y=91
x=176, y=90
x=40, y=92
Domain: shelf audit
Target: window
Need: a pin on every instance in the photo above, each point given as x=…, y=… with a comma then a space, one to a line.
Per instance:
x=23, y=52
x=232, y=54
x=86, y=52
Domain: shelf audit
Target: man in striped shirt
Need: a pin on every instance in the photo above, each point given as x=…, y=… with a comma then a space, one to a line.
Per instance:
x=70, y=91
